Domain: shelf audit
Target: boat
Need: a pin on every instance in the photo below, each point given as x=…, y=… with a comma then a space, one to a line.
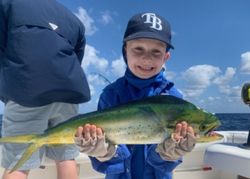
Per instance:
x=227, y=158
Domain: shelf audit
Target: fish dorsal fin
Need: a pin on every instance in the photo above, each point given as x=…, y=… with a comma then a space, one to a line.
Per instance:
x=166, y=99
x=159, y=99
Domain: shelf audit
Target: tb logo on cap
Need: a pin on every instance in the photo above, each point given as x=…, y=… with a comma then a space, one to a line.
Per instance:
x=153, y=19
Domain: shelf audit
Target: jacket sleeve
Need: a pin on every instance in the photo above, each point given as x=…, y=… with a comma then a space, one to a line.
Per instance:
x=116, y=164
x=155, y=160
x=2, y=30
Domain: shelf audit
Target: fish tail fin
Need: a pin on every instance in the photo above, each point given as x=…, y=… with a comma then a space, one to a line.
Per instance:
x=26, y=155
x=18, y=139
x=34, y=142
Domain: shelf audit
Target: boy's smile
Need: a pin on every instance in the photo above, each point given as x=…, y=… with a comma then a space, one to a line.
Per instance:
x=145, y=57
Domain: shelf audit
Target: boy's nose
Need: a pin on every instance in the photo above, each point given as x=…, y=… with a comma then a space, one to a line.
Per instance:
x=147, y=56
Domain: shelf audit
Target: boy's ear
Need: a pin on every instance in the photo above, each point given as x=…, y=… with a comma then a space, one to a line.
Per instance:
x=124, y=53
x=167, y=56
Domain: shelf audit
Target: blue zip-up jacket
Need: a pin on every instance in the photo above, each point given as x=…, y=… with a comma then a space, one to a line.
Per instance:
x=41, y=49
x=135, y=161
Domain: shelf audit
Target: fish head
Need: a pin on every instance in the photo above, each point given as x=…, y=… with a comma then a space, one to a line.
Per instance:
x=209, y=123
x=203, y=122
x=204, y=130
x=171, y=110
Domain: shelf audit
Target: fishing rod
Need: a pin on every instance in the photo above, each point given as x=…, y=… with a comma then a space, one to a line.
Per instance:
x=245, y=95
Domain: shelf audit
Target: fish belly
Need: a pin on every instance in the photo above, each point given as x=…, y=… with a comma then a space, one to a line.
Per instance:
x=141, y=132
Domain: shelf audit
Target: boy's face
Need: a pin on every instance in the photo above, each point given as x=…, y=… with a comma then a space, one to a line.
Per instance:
x=145, y=57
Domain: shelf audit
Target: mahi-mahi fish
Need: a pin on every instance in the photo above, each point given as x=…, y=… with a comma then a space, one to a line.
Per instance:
x=146, y=121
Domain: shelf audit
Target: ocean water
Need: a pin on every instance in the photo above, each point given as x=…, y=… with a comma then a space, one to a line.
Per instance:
x=229, y=121
x=234, y=121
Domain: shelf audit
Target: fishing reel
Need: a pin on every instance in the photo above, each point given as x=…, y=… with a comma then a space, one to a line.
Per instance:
x=245, y=95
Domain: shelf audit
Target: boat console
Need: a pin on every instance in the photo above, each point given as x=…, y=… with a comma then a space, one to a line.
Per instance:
x=229, y=157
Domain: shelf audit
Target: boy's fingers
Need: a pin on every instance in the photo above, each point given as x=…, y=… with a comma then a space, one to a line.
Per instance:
x=190, y=130
x=79, y=131
x=86, y=132
x=178, y=129
x=87, y=125
x=93, y=131
x=99, y=132
x=177, y=132
x=183, y=129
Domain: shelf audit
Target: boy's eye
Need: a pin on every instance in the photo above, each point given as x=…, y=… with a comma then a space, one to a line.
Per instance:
x=156, y=54
x=138, y=51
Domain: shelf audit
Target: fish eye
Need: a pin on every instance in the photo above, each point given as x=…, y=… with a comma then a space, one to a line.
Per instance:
x=202, y=127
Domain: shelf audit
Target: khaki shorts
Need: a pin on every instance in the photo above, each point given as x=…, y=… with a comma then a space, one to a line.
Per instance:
x=20, y=120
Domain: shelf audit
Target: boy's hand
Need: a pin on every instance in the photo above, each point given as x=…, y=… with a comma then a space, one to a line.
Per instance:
x=91, y=140
x=182, y=141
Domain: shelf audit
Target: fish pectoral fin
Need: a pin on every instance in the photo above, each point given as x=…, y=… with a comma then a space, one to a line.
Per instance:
x=148, y=112
x=26, y=155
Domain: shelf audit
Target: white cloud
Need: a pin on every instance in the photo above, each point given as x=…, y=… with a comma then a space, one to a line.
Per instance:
x=245, y=63
x=106, y=17
x=234, y=91
x=170, y=75
x=192, y=92
x=198, y=78
x=98, y=79
x=92, y=60
x=223, y=83
x=225, y=79
x=92, y=90
x=118, y=67
x=88, y=22
x=212, y=98
x=233, y=94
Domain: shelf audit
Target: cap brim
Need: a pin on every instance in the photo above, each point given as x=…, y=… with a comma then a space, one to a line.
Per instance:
x=150, y=35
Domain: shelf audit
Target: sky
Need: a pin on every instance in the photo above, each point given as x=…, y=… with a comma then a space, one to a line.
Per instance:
x=211, y=59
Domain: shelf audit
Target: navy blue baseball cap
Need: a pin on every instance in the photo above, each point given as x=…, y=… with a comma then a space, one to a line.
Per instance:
x=149, y=25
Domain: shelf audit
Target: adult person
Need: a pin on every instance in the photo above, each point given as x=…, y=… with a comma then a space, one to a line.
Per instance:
x=41, y=80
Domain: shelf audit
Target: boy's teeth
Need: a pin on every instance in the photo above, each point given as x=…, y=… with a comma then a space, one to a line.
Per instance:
x=145, y=68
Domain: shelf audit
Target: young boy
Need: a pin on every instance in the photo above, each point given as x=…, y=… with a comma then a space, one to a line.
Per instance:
x=147, y=42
